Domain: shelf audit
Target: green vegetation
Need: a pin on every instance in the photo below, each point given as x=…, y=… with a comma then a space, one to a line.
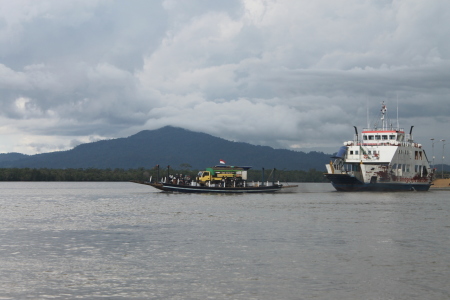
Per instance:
x=141, y=174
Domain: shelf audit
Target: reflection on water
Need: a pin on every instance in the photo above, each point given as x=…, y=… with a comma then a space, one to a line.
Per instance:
x=128, y=241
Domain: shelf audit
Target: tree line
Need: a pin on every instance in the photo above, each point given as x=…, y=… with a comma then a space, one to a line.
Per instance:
x=144, y=174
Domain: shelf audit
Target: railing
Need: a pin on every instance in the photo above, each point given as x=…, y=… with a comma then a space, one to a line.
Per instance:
x=384, y=143
x=383, y=129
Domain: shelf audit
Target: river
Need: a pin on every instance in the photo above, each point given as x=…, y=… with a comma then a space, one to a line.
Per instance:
x=105, y=240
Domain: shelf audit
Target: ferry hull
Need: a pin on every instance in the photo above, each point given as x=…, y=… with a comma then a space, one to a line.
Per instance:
x=346, y=183
x=168, y=187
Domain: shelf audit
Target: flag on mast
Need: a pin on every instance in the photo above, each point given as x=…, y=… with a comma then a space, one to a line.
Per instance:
x=222, y=162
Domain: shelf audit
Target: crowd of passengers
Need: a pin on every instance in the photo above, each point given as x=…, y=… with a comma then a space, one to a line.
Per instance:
x=180, y=179
x=232, y=182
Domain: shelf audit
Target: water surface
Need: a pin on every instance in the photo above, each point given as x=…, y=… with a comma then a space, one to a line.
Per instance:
x=91, y=240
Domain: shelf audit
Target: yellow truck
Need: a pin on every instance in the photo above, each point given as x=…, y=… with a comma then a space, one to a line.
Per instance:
x=222, y=175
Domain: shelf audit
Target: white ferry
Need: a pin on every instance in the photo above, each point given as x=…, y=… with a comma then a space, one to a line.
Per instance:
x=380, y=159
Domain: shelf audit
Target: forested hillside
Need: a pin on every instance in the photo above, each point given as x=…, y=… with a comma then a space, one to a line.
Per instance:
x=91, y=174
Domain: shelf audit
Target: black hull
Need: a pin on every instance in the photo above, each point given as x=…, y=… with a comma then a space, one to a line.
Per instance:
x=168, y=187
x=347, y=183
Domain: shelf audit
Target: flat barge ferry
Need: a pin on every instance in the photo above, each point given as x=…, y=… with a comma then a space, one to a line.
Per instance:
x=218, y=179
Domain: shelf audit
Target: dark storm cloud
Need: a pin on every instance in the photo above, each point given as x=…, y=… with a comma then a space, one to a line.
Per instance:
x=284, y=73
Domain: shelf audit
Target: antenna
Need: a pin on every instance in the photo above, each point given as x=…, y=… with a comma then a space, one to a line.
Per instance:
x=367, y=107
x=383, y=112
x=398, y=126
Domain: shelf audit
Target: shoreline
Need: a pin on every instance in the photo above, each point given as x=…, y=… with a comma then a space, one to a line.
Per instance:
x=441, y=184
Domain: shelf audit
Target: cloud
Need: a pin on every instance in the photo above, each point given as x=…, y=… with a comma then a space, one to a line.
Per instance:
x=283, y=73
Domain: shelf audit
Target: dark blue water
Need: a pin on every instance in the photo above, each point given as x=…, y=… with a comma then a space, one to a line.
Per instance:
x=128, y=241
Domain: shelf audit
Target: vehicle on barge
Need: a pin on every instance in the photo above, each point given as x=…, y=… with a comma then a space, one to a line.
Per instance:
x=382, y=158
x=218, y=179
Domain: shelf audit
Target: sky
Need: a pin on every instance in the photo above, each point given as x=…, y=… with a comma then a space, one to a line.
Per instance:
x=291, y=74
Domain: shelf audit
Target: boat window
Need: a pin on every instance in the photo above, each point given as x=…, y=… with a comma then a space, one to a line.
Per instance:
x=356, y=152
x=355, y=167
x=400, y=138
x=377, y=137
x=374, y=152
x=385, y=137
x=351, y=152
x=392, y=137
x=364, y=137
x=370, y=137
x=370, y=152
x=394, y=166
x=351, y=167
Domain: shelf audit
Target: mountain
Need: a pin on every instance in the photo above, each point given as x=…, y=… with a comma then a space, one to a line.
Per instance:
x=168, y=146
x=11, y=156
